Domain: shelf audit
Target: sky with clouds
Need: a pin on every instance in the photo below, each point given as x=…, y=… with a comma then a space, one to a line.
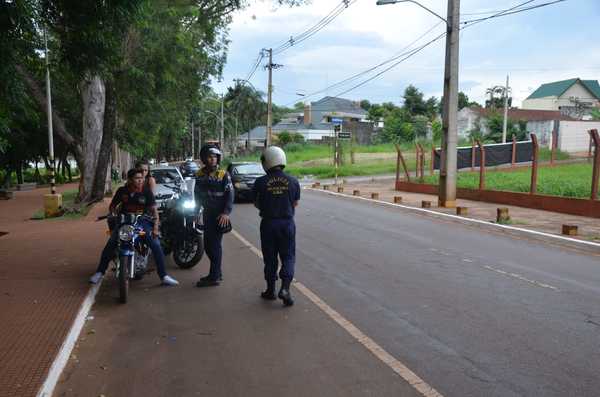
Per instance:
x=551, y=43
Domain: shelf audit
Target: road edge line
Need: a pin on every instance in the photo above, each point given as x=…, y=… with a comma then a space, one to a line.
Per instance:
x=574, y=242
x=62, y=358
x=373, y=347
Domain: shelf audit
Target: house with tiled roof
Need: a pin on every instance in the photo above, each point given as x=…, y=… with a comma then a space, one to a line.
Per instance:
x=574, y=97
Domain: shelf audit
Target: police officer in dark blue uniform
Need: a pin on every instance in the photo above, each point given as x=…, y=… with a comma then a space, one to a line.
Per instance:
x=214, y=191
x=276, y=195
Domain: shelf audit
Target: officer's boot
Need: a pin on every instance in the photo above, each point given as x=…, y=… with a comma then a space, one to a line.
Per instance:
x=284, y=293
x=269, y=293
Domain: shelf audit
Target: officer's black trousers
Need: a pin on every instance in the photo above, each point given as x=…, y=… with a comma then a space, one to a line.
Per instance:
x=213, y=245
x=278, y=239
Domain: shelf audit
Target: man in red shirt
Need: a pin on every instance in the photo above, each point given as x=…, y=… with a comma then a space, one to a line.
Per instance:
x=135, y=198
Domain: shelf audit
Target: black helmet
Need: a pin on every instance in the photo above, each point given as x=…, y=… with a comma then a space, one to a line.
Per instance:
x=210, y=149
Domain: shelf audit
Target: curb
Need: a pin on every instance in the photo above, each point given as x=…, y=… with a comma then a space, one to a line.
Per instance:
x=62, y=358
x=555, y=240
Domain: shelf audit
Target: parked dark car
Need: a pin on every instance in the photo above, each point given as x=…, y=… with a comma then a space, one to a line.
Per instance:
x=243, y=176
x=189, y=168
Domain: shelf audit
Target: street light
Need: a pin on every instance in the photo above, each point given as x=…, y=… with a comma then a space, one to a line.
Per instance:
x=222, y=132
x=386, y=2
x=447, y=187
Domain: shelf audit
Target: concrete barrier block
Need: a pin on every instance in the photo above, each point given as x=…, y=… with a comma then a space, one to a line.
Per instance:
x=425, y=204
x=325, y=187
x=397, y=199
x=463, y=211
x=569, y=230
x=340, y=189
x=502, y=215
x=356, y=193
x=375, y=196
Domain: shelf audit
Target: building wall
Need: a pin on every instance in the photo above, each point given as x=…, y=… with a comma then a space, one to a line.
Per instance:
x=543, y=130
x=548, y=103
x=554, y=103
x=573, y=136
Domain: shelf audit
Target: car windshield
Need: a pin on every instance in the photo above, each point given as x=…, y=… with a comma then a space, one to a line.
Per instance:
x=246, y=169
x=166, y=176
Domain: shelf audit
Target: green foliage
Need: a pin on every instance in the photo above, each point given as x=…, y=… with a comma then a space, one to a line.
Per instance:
x=595, y=114
x=286, y=138
x=413, y=101
x=495, y=123
x=570, y=180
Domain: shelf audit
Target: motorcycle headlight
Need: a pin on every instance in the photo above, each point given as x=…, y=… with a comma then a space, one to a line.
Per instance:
x=126, y=232
x=189, y=204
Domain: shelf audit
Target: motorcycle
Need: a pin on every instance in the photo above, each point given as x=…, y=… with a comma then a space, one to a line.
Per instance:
x=131, y=257
x=181, y=228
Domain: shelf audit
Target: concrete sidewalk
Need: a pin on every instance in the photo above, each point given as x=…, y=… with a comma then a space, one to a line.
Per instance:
x=525, y=218
x=43, y=271
x=219, y=341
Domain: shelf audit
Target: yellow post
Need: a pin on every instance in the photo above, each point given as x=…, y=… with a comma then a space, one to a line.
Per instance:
x=52, y=205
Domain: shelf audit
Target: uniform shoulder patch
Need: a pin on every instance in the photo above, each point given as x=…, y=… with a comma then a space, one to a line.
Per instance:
x=221, y=174
x=200, y=172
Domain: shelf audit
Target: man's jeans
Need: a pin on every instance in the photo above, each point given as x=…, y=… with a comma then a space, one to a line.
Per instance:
x=108, y=252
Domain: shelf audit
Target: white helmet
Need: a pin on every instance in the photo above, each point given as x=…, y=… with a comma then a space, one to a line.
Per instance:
x=273, y=156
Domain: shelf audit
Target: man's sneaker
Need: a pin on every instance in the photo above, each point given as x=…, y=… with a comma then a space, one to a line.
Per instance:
x=207, y=282
x=96, y=277
x=168, y=280
x=286, y=297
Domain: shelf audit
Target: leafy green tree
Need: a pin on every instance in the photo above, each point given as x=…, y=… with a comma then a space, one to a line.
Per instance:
x=413, y=101
x=365, y=104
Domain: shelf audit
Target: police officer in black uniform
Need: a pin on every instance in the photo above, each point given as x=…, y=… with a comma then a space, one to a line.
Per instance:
x=214, y=191
x=276, y=195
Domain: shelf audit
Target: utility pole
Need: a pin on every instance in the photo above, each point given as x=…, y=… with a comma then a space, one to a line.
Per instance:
x=447, y=187
x=222, y=134
x=269, y=137
x=49, y=113
x=270, y=66
x=193, y=148
x=505, y=123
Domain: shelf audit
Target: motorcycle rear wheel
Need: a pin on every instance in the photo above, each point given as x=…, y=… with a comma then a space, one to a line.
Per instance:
x=183, y=258
x=124, y=278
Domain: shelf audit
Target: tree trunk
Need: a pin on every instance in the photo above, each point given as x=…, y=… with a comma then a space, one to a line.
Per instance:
x=100, y=186
x=19, y=173
x=93, y=99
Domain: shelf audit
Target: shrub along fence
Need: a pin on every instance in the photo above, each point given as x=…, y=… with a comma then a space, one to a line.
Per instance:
x=479, y=156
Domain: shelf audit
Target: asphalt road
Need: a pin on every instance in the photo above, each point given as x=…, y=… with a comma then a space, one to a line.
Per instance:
x=472, y=313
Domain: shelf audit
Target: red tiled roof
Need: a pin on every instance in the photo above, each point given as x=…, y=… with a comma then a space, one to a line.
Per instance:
x=525, y=114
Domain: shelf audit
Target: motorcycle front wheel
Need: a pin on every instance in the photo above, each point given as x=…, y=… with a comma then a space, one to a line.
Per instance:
x=124, y=278
x=188, y=252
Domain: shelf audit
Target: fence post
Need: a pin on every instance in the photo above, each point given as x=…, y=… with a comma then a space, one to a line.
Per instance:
x=431, y=166
x=472, y=155
x=422, y=162
x=514, y=151
x=596, y=138
x=590, y=148
x=418, y=160
x=554, y=144
x=481, y=165
x=534, y=164
x=401, y=158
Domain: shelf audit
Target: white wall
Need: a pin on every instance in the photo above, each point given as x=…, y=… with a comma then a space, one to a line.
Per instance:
x=543, y=131
x=547, y=103
x=573, y=136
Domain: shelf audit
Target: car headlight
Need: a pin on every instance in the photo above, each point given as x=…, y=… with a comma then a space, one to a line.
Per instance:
x=189, y=204
x=241, y=185
x=126, y=232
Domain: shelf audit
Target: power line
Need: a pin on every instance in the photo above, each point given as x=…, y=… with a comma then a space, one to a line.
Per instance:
x=356, y=76
x=326, y=20
x=255, y=66
x=414, y=52
x=514, y=10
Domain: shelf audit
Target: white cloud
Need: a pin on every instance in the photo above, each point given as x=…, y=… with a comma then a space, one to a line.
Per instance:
x=532, y=51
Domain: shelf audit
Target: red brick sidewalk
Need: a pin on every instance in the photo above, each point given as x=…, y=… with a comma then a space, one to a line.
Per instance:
x=44, y=267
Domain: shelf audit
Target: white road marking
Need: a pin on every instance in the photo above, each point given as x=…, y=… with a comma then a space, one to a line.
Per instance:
x=518, y=276
x=67, y=347
x=398, y=367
